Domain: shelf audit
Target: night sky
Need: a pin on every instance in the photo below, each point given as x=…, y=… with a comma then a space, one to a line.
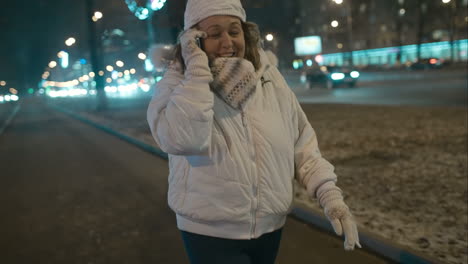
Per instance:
x=32, y=32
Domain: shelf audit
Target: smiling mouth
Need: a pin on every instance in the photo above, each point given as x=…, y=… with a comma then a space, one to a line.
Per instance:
x=230, y=54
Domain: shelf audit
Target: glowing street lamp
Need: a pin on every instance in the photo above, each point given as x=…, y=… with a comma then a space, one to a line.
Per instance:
x=119, y=63
x=445, y=1
x=2, y=83
x=52, y=64
x=142, y=56
x=339, y=2
x=269, y=37
x=402, y=12
x=70, y=41
x=334, y=23
x=97, y=15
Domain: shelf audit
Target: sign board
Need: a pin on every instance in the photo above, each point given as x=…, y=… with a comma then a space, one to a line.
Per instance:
x=309, y=45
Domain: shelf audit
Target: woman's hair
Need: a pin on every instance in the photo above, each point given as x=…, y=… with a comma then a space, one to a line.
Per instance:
x=252, y=43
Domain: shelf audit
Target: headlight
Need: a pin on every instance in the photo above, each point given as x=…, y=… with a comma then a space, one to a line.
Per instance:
x=354, y=74
x=337, y=76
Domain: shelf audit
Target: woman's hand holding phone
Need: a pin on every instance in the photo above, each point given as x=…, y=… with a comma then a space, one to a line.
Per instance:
x=190, y=41
x=195, y=58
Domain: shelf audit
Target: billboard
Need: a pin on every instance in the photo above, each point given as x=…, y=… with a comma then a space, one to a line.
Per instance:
x=309, y=45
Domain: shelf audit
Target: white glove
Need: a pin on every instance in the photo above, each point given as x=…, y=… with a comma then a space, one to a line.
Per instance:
x=195, y=59
x=337, y=212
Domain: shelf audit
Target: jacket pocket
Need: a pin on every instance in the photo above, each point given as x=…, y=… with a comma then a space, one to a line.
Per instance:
x=177, y=189
x=216, y=201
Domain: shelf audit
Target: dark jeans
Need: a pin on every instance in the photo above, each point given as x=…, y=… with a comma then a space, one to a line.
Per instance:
x=212, y=250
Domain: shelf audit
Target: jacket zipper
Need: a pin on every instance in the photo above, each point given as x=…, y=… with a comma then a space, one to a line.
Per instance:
x=253, y=171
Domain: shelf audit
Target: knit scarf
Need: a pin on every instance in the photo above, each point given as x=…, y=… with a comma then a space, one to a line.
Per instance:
x=234, y=80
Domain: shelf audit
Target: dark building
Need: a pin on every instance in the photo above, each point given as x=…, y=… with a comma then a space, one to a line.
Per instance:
x=377, y=24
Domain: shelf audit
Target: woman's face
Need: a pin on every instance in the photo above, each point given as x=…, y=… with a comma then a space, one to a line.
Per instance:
x=225, y=37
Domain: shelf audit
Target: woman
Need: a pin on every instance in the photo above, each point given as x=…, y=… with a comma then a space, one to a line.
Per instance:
x=236, y=138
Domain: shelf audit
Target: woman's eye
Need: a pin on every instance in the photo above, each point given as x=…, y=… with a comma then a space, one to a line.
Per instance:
x=215, y=35
x=234, y=33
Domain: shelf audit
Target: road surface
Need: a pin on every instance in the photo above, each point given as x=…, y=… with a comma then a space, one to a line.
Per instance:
x=424, y=88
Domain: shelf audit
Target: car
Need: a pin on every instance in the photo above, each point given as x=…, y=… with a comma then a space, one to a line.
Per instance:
x=330, y=76
x=426, y=64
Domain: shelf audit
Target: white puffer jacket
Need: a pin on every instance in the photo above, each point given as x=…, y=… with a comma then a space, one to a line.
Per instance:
x=232, y=172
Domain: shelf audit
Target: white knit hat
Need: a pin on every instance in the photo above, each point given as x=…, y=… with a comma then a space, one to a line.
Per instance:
x=197, y=10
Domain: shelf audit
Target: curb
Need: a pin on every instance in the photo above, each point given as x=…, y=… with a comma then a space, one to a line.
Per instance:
x=369, y=242
x=10, y=118
x=111, y=131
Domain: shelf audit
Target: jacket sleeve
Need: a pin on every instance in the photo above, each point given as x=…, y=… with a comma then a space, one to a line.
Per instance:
x=180, y=114
x=312, y=170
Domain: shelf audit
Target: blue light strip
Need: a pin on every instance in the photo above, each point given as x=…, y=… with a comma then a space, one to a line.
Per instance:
x=388, y=55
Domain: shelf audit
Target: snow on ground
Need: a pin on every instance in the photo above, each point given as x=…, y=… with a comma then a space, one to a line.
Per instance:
x=403, y=170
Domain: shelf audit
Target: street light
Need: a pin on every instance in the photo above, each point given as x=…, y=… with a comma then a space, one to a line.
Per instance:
x=119, y=63
x=52, y=64
x=339, y=2
x=445, y=1
x=2, y=83
x=97, y=15
x=269, y=37
x=401, y=12
x=70, y=41
x=334, y=23
x=142, y=56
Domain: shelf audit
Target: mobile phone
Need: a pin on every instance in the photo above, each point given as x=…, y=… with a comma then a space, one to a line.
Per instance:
x=199, y=43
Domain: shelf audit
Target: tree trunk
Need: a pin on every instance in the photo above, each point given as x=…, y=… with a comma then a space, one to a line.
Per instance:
x=96, y=60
